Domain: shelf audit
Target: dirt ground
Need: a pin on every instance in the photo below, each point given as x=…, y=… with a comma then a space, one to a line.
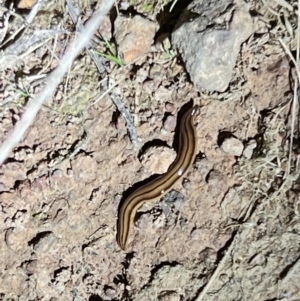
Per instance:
x=229, y=230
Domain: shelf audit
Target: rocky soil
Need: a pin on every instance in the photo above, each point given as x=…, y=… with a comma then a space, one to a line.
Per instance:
x=229, y=230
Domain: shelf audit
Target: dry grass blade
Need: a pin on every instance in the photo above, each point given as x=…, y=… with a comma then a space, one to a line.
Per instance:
x=33, y=12
x=54, y=79
x=79, y=25
x=295, y=98
x=283, y=3
x=26, y=43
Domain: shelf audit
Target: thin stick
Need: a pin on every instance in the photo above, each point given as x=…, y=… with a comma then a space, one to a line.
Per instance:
x=33, y=12
x=127, y=117
x=290, y=54
x=295, y=98
x=54, y=79
x=107, y=91
x=79, y=26
x=285, y=4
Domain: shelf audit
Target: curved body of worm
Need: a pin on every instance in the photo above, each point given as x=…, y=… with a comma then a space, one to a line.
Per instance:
x=163, y=183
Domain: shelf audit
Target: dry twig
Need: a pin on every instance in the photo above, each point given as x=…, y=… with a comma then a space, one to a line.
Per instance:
x=126, y=115
x=295, y=98
x=54, y=79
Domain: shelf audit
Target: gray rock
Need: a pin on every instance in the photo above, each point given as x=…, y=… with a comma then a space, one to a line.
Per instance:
x=208, y=45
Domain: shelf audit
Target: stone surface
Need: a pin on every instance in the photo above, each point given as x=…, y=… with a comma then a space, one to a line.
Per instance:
x=209, y=49
x=134, y=36
x=232, y=146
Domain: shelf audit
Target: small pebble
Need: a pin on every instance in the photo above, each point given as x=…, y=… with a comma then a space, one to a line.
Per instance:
x=248, y=151
x=170, y=123
x=169, y=107
x=232, y=146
